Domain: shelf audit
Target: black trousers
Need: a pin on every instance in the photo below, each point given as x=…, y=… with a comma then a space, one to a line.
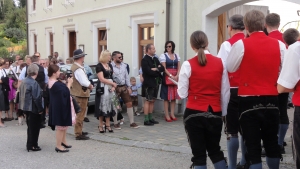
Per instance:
x=282, y=105
x=259, y=120
x=296, y=136
x=204, y=130
x=33, y=129
x=232, y=118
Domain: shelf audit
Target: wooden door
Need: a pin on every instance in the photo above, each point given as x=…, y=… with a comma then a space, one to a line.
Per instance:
x=222, y=29
x=51, y=44
x=35, y=42
x=146, y=36
x=72, y=43
x=102, y=40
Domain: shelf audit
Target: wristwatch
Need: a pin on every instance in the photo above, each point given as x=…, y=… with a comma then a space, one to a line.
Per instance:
x=170, y=75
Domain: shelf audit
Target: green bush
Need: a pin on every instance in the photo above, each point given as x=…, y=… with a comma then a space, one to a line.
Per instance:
x=4, y=53
x=16, y=34
x=4, y=43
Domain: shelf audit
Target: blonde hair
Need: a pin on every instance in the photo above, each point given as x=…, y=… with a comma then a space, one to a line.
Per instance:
x=132, y=78
x=104, y=56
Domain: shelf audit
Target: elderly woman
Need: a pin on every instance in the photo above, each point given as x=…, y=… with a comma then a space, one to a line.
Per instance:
x=31, y=103
x=60, y=107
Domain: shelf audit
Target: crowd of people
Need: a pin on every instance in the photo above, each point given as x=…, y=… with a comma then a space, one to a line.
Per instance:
x=246, y=87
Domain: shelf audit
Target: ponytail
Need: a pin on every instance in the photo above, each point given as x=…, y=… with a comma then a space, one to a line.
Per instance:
x=202, y=57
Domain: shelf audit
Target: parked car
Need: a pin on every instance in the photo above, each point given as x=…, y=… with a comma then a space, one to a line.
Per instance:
x=91, y=71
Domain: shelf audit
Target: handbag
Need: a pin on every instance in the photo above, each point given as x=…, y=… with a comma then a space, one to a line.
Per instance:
x=172, y=71
x=100, y=90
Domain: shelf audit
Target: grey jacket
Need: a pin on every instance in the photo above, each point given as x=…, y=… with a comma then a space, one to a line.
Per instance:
x=30, y=96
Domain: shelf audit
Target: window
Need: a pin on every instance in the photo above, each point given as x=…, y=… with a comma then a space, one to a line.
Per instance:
x=51, y=43
x=102, y=40
x=35, y=42
x=49, y=2
x=146, y=36
x=33, y=5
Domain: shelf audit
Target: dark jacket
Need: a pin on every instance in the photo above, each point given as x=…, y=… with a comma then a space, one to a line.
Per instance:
x=40, y=77
x=59, y=105
x=30, y=97
x=150, y=76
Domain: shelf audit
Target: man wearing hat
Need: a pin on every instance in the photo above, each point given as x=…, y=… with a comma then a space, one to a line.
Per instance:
x=80, y=89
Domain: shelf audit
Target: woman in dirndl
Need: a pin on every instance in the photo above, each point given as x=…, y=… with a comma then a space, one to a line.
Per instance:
x=171, y=61
x=105, y=92
x=4, y=106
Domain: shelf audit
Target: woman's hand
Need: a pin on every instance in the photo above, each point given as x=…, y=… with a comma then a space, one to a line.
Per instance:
x=114, y=85
x=70, y=80
x=175, y=78
x=112, y=89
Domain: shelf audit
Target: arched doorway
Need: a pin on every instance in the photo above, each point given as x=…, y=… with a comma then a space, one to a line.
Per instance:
x=210, y=18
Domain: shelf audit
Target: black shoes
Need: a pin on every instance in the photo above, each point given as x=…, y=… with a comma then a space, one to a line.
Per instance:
x=109, y=129
x=239, y=166
x=290, y=105
x=148, y=123
x=282, y=150
x=153, y=121
x=61, y=151
x=284, y=143
x=66, y=146
x=85, y=133
x=82, y=137
x=86, y=119
x=34, y=149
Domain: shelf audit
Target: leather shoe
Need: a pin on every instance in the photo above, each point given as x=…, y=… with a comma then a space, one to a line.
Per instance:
x=86, y=119
x=153, y=121
x=85, y=133
x=148, y=123
x=82, y=137
x=42, y=126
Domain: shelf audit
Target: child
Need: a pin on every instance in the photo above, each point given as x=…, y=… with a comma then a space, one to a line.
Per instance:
x=134, y=95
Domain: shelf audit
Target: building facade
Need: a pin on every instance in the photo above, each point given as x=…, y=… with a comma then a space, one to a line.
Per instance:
x=123, y=25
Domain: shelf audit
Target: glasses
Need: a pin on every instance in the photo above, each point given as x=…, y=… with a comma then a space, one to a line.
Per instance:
x=42, y=63
x=121, y=58
x=169, y=46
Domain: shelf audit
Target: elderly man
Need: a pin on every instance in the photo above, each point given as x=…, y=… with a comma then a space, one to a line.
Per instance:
x=80, y=89
x=258, y=58
x=235, y=30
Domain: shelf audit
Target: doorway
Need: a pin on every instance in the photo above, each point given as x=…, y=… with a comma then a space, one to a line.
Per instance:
x=72, y=43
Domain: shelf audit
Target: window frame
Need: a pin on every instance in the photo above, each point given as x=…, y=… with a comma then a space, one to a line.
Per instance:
x=143, y=42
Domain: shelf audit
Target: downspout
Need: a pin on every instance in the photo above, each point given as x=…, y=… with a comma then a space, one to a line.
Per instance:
x=168, y=4
x=27, y=28
x=183, y=101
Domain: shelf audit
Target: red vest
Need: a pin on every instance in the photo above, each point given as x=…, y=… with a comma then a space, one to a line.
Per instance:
x=259, y=68
x=205, y=84
x=234, y=77
x=296, y=96
x=277, y=35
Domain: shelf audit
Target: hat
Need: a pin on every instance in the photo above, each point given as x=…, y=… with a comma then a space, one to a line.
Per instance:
x=78, y=54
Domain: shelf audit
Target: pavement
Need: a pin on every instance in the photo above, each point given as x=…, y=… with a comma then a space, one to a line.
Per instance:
x=168, y=138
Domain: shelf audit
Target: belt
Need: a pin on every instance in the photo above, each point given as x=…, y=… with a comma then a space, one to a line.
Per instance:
x=120, y=85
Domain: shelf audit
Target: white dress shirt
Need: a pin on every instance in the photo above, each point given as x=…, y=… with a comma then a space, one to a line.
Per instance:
x=81, y=76
x=224, y=51
x=236, y=55
x=183, y=84
x=290, y=73
x=23, y=72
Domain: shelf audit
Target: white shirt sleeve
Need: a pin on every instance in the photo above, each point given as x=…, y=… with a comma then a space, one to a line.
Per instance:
x=183, y=82
x=46, y=75
x=290, y=73
x=162, y=58
x=22, y=74
x=235, y=56
x=82, y=78
x=225, y=91
x=224, y=51
x=282, y=52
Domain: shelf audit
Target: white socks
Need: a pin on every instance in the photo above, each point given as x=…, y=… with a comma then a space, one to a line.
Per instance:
x=130, y=114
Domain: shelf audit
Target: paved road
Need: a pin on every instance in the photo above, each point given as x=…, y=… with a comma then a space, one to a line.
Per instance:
x=162, y=146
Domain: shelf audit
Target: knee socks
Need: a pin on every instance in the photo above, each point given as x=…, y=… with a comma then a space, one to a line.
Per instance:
x=282, y=132
x=115, y=119
x=150, y=116
x=273, y=163
x=243, y=151
x=232, y=148
x=130, y=115
x=220, y=165
x=256, y=166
